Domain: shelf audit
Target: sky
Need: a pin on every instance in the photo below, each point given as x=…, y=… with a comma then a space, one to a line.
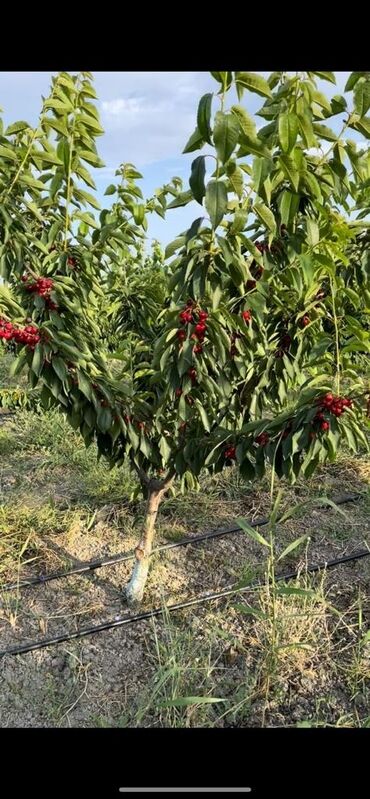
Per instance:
x=147, y=118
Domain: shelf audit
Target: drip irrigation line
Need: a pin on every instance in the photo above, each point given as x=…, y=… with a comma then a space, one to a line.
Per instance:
x=109, y=625
x=112, y=560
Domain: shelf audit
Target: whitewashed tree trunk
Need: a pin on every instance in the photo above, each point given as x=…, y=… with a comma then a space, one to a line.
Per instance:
x=134, y=589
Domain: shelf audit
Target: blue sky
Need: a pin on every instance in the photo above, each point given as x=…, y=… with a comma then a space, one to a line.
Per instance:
x=147, y=118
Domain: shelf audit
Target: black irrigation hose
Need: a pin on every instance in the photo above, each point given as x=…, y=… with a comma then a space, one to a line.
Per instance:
x=108, y=625
x=110, y=561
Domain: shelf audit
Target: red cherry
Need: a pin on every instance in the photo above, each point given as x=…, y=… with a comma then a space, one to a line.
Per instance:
x=185, y=317
x=203, y=315
x=305, y=321
x=324, y=426
x=178, y=392
x=262, y=439
x=197, y=349
x=230, y=453
x=286, y=342
x=246, y=315
x=200, y=329
x=181, y=335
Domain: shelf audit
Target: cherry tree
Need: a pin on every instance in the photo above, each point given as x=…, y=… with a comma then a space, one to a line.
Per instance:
x=244, y=346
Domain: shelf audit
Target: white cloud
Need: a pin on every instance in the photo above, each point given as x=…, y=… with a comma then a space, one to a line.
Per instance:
x=148, y=116
x=122, y=106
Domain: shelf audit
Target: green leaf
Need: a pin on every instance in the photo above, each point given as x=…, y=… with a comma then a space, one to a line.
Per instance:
x=312, y=185
x=246, y=122
x=186, y=358
x=85, y=175
x=196, y=142
x=185, y=701
x=104, y=419
x=313, y=233
x=90, y=122
x=183, y=198
x=323, y=132
x=60, y=368
x=288, y=206
x=173, y=246
x=326, y=76
x=225, y=78
x=363, y=125
x=58, y=105
x=352, y=80
x=239, y=221
x=288, y=131
x=293, y=546
x=6, y=152
x=91, y=158
x=252, y=532
x=18, y=364
x=235, y=175
x=225, y=135
x=164, y=449
x=252, y=82
x=37, y=360
x=16, y=127
x=84, y=385
x=111, y=189
x=198, y=171
x=81, y=194
x=320, y=99
x=306, y=129
x=204, y=116
x=266, y=216
x=307, y=593
x=203, y=416
x=289, y=168
x=32, y=182
x=90, y=220
x=216, y=201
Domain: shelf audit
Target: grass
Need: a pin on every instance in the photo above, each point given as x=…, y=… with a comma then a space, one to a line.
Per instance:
x=214, y=666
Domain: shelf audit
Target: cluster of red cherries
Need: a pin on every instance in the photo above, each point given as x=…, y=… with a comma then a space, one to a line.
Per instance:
x=261, y=440
x=331, y=404
x=43, y=286
x=197, y=317
x=28, y=335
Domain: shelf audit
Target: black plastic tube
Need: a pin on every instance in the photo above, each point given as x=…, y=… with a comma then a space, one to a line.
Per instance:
x=109, y=625
x=113, y=559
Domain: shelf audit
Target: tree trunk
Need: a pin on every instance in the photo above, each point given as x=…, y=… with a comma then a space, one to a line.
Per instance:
x=134, y=589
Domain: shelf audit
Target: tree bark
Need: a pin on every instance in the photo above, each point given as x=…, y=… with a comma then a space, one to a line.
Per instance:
x=134, y=589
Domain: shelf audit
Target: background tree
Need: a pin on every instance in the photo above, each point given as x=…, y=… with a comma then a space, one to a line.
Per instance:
x=247, y=341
